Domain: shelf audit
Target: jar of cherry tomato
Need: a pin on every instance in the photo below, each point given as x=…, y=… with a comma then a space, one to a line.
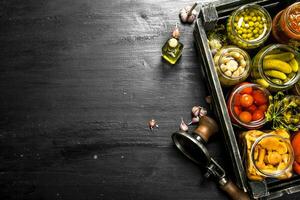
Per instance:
x=247, y=104
x=286, y=25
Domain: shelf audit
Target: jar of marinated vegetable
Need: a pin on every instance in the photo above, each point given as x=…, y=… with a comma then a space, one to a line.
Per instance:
x=272, y=156
x=249, y=26
x=232, y=65
x=247, y=104
x=286, y=25
x=276, y=67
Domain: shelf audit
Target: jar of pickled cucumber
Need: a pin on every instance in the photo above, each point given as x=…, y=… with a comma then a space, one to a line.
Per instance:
x=276, y=67
x=232, y=65
x=249, y=26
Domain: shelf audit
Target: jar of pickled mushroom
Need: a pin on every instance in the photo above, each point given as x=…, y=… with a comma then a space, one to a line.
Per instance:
x=268, y=154
x=249, y=26
x=286, y=25
x=232, y=65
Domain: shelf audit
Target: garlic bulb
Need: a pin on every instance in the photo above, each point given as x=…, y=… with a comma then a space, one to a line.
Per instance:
x=188, y=14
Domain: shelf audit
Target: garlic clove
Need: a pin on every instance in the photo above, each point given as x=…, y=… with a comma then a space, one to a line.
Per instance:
x=196, y=110
x=176, y=32
x=203, y=112
x=194, y=120
x=183, y=126
x=152, y=124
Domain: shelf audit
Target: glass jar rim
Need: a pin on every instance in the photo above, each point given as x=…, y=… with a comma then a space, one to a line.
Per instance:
x=287, y=13
x=257, y=141
x=230, y=48
x=253, y=124
x=291, y=82
x=261, y=9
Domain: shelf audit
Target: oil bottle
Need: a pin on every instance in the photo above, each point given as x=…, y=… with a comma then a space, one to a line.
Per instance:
x=172, y=49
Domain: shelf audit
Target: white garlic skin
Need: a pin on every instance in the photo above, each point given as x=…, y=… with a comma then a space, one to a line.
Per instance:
x=183, y=126
x=196, y=110
x=183, y=14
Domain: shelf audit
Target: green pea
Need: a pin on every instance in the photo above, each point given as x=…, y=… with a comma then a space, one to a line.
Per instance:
x=260, y=26
x=256, y=23
x=255, y=31
x=244, y=35
x=246, y=18
x=252, y=14
x=254, y=19
x=251, y=23
x=258, y=18
x=250, y=35
x=240, y=32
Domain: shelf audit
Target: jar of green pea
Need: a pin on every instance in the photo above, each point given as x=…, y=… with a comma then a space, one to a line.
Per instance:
x=249, y=26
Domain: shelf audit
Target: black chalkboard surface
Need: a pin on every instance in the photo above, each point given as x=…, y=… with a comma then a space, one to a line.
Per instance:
x=79, y=81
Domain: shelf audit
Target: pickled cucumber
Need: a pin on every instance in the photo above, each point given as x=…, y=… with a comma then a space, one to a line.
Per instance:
x=262, y=82
x=275, y=64
x=294, y=64
x=276, y=74
x=287, y=56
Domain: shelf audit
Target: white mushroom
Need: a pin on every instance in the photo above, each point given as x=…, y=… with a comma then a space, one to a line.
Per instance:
x=241, y=70
x=232, y=65
x=228, y=73
x=223, y=68
x=243, y=63
x=225, y=60
x=236, y=74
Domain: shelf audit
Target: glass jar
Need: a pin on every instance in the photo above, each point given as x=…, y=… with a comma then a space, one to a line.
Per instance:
x=272, y=156
x=276, y=67
x=286, y=25
x=249, y=26
x=296, y=89
x=247, y=104
x=232, y=65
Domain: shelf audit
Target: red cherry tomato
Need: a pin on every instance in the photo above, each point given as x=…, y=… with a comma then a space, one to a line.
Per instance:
x=259, y=97
x=258, y=115
x=247, y=90
x=237, y=110
x=263, y=107
x=237, y=100
x=246, y=100
x=245, y=117
x=252, y=108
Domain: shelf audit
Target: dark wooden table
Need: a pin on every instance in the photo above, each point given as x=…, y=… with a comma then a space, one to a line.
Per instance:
x=79, y=80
